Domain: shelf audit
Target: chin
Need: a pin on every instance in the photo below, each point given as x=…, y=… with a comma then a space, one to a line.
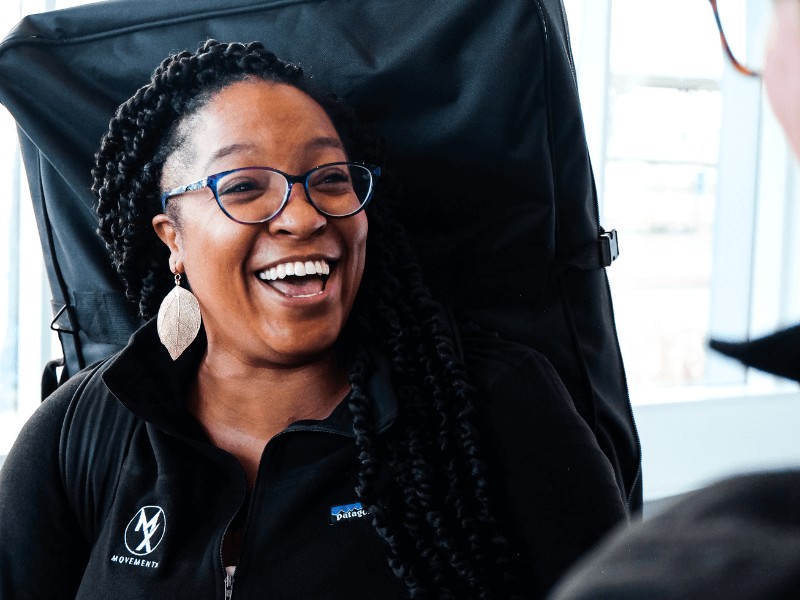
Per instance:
x=292, y=353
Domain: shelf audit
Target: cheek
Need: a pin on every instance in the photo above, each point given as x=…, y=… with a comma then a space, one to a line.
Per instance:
x=213, y=251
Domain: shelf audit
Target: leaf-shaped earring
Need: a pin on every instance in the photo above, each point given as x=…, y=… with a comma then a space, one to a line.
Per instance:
x=178, y=319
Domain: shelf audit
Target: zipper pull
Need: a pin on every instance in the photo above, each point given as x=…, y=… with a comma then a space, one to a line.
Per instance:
x=228, y=586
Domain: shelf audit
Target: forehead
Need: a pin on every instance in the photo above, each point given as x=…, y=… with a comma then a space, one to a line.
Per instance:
x=258, y=120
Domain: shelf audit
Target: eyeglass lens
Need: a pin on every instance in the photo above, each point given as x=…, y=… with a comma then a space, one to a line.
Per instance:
x=257, y=194
x=744, y=25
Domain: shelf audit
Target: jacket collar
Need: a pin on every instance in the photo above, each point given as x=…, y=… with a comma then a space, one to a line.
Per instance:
x=144, y=379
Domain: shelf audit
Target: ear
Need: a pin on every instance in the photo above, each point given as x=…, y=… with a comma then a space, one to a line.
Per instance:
x=169, y=233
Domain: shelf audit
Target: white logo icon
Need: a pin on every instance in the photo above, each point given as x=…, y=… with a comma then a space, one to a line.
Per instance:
x=146, y=530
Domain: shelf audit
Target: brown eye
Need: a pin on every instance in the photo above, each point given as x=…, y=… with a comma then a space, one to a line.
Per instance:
x=245, y=186
x=331, y=180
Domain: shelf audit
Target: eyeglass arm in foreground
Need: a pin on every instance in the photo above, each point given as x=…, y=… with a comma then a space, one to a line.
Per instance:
x=726, y=47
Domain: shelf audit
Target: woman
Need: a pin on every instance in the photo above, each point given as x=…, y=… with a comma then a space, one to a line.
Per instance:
x=319, y=437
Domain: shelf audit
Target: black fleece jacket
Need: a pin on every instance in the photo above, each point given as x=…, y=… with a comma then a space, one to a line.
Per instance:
x=113, y=491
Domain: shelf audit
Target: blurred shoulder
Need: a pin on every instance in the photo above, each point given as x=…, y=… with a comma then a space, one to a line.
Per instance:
x=737, y=539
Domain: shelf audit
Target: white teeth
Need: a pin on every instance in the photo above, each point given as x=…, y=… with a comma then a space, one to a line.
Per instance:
x=298, y=269
x=322, y=267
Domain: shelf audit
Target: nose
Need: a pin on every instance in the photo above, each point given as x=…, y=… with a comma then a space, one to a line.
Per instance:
x=297, y=217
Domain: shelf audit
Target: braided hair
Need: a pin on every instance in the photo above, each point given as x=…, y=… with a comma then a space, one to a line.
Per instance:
x=435, y=516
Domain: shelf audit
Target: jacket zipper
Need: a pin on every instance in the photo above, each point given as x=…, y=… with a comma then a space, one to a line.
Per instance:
x=229, y=577
x=228, y=586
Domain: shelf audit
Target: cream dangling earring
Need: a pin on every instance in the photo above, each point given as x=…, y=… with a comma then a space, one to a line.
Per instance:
x=178, y=319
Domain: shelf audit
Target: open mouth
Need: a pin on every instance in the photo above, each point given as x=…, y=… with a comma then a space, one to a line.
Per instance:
x=297, y=279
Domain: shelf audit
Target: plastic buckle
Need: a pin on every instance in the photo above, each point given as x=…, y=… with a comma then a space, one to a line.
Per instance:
x=609, y=247
x=56, y=325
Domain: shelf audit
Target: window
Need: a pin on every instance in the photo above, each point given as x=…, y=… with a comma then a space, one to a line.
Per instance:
x=695, y=176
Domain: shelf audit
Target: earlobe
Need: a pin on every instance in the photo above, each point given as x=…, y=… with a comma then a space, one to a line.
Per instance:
x=167, y=231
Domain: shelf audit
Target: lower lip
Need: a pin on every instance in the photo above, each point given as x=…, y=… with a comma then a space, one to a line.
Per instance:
x=309, y=295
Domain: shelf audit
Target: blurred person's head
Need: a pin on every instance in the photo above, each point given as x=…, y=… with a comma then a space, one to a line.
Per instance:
x=782, y=68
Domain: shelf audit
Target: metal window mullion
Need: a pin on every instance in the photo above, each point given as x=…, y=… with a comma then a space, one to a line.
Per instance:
x=33, y=333
x=734, y=225
x=790, y=293
x=9, y=345
x=772, y=212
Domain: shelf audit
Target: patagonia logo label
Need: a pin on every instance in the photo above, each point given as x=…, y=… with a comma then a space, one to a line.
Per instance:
x=347, y=512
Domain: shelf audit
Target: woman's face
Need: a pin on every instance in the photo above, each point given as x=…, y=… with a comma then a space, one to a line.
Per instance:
x=246, y=317
x=782, y=68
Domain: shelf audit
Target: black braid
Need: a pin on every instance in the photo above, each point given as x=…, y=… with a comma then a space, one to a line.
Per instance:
x=448, y=538
x=437, y=521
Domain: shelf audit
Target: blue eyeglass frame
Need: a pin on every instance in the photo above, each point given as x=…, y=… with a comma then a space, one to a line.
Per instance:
x=211, y=183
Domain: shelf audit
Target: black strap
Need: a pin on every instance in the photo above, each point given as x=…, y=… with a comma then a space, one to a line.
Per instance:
x=101, y=316
x=70, y=343
x=596, y=255
x=50, y=378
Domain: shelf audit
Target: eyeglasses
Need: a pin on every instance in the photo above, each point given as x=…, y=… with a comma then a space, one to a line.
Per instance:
x=735, y=15
x=257, y=194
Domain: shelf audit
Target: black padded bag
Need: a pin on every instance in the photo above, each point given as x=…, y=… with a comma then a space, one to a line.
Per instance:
x=478, y=102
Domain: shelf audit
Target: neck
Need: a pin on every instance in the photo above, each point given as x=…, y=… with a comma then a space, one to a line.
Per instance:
x=242, y=406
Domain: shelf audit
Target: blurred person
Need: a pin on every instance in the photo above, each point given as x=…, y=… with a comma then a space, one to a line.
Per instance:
x=782, y=68
x=740, y=538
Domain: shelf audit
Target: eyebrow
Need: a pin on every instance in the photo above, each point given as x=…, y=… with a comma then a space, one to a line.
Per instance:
x=325, y=142
x=321, y=142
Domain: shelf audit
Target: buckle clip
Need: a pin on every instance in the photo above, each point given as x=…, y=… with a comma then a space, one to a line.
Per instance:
x=609, y=247
x=57, y=325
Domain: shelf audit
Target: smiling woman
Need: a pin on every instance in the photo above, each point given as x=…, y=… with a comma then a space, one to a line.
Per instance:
x=258, y=320
x=330, y=431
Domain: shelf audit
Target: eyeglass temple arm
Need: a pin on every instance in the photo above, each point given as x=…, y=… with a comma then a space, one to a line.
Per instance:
x=736, y=64
x=184, y=188
x=190, y=187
